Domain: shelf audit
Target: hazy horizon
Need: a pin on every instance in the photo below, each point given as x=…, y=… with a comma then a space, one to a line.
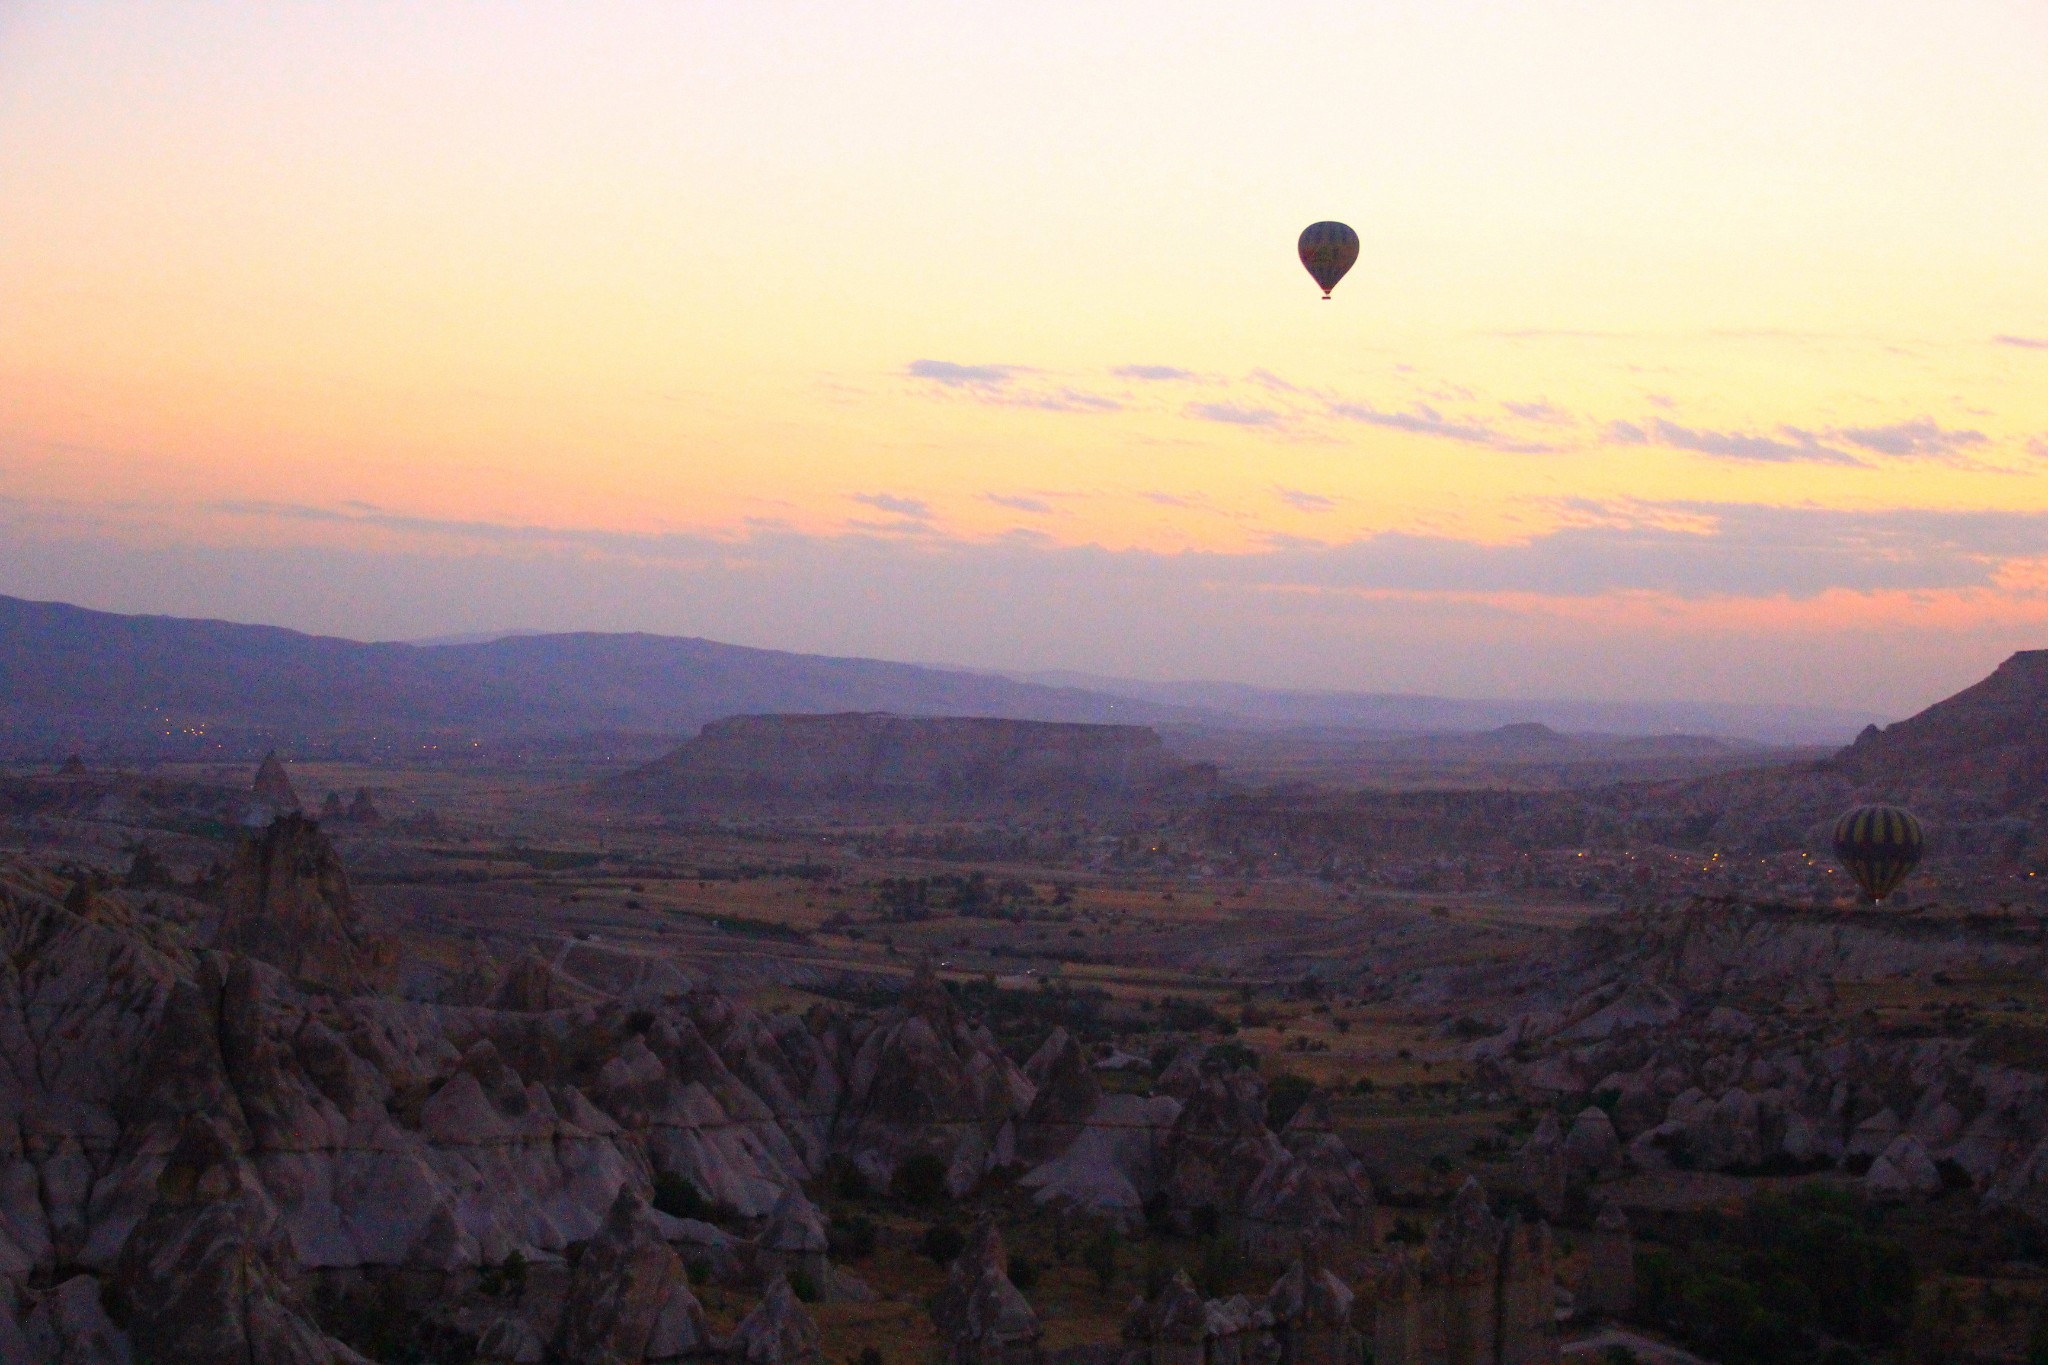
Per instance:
x=1693, y=352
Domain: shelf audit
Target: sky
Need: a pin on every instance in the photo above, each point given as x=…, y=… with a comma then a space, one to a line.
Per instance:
x=1694, y=350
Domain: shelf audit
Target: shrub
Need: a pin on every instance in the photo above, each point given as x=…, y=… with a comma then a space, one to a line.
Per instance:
x=1024, y=1273
x=804, y=1287
x=1791, y=1273
x=1219, y=1267
x=506, y=1278
x=850, y=1182
x=921, y=1179
x=1285, y=1097
x=1100, y=1256
x=942, y=1242
x=1225, y=1058
x=869, y=1355
x=678, y=1197
x=851, y=1238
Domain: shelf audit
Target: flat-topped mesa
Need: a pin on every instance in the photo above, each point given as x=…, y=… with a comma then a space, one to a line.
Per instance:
x=866, y=759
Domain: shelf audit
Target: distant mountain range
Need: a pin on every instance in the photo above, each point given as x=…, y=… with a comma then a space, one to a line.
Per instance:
x=1410, y=713
x=101, y=683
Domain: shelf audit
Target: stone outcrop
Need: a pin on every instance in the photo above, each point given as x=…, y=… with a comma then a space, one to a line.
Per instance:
x=777, y=1332
x=1305, y=1319
x=1608, y=1286
x=630, y=1299
x=1591, y=1149
x=286, y=901
x=1902, y=1170
x=1312, y=1189
x=794, y=1242
x=1483, y=1292
x=205, y=1275
x=1541, y=1166
x=1218, y=1148
x=274, y=785
x=924, y=1078
x=1113, y=1162
x=70, y=1327
x=1066, y=1093
x=982, y=1318
x=1310, y=1312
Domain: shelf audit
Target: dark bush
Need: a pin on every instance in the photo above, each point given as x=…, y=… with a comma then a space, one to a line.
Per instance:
x=1219, y=1267
x=851, y=1238
x=1225, y=1058
x=942, y=1242
x=1285, y=1096
x=850, y=1182
x=1100, y=1256
x=1023, y=1272
x=921, y=1179
x=804, y=1287
x=1787, y=1280
x=678, y=1197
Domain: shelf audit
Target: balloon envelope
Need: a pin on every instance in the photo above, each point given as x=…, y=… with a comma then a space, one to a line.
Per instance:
x=1328, y=250
x=1880, y=846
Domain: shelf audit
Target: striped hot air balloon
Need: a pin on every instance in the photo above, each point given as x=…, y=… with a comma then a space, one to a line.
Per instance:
x=1880, y=846
x=1328, y=250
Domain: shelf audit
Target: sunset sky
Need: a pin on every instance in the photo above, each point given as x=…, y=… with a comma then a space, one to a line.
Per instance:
x=1695, y=350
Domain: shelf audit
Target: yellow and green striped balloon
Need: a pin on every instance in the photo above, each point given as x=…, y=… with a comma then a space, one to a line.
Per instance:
x=1880, y=846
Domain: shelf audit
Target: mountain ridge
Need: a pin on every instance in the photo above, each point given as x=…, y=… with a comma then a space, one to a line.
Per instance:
x=75, y=679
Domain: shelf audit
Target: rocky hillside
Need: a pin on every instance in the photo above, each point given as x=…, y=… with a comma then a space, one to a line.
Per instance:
x=806, y=764
x=224, y=1137
x=1974, y=767
x=1712, y=1040
x=73, y=680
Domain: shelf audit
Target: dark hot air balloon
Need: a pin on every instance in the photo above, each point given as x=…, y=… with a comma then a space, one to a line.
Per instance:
x=1879, y=845
x=1328, y=250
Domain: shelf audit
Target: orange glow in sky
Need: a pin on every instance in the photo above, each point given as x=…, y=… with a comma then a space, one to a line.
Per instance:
x=1693, y=350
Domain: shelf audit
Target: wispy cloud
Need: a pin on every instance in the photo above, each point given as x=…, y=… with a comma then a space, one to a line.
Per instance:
x=1542, y=410
x=1732, y=445
x=1069, y=400
x=1424, y=420
x=1018, y=502
x=1692, y=550
x=1921, y=437
x=1156, y=374
x=905, y=526
x=2024, y=343
x=1233, y=414
x=1000, y=386
x=890, y=502
x=962, y=376
x=1305, y=501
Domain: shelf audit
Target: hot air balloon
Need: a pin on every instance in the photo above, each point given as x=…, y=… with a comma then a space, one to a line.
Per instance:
x=1879, y=845
x=1328, y=250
